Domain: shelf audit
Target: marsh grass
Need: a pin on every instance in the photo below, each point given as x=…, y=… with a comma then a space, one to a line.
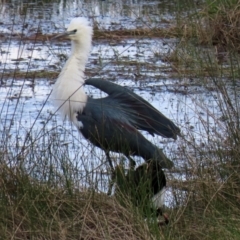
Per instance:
x=45, y=195
x=33, y=210
x=209, y=201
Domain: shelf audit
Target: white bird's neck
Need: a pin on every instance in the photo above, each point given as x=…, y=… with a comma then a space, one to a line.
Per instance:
x=68, y=92
x=80, y=54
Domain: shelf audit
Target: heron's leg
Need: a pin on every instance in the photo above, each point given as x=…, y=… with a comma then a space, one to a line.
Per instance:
x=109, y=161
x=165, y=217
x=132, y=163
x=112, y=177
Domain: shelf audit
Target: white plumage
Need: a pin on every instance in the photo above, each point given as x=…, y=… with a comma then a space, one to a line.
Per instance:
x=159, y=198
x=68, y=94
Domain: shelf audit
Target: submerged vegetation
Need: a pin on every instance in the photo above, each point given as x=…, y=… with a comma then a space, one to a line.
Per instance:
x=44, y=195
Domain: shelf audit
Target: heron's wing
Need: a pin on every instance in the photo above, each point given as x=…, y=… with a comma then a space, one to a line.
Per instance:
x=141, y=114
x=107, y=126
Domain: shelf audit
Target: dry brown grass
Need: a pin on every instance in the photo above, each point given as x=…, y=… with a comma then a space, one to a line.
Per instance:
x=225, y=25
x=210, y=211
x=32, y=210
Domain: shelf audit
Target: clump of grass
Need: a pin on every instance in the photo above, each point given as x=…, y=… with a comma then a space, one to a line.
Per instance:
x=207, y=200
x=209, y=197
x=224, y=23
x=33, y=210
x=216, y=23
x=210, y=209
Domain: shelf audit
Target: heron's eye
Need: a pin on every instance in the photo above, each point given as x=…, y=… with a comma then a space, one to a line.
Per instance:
x=75, y=30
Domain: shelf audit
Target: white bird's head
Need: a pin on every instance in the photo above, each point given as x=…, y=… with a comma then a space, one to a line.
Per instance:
x=79, y=31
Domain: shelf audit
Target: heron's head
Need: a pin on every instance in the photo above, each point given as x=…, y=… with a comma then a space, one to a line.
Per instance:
x=79, y=31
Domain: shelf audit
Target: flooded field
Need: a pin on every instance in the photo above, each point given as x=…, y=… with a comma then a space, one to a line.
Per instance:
x=27, y=115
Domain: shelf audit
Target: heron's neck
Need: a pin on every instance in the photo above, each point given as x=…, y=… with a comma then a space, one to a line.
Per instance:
x=80, y=54
x=68, y=92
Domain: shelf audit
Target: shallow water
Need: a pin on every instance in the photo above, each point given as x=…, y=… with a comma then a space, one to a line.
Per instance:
x=28, y=16
x=27, y=116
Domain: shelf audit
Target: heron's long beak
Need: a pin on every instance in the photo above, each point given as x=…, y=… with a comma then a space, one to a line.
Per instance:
x=64, y=34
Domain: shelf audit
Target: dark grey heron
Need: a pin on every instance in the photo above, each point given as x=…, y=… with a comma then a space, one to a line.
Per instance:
x=110, y=123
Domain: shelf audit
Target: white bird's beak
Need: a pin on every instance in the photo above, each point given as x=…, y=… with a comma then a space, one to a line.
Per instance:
x=64, y=34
